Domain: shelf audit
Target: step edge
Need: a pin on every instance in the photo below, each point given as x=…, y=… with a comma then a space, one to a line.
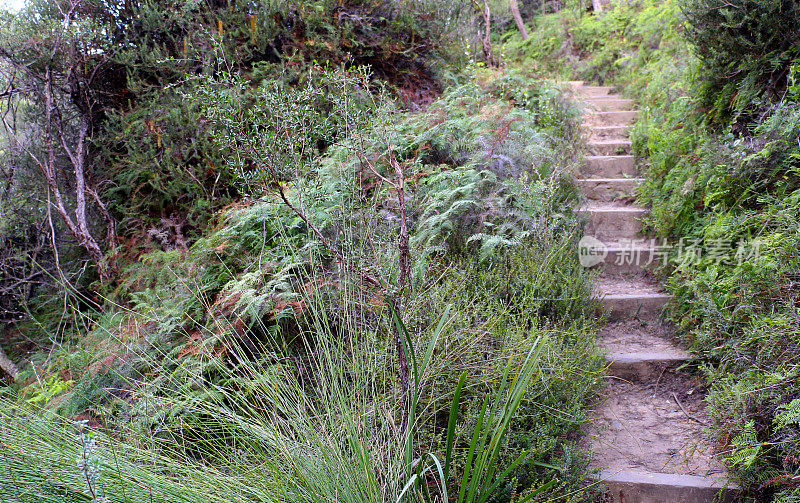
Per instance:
x=597, y=157
x=618, y=249
x=612, y=112
x=597, y=180
x=657, y=357
x=621, y=141
x=666, y=479
x=616, y=210
x=607, y=98
x=632, y=296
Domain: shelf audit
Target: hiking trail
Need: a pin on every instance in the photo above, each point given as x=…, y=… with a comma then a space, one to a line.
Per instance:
x=649, y=434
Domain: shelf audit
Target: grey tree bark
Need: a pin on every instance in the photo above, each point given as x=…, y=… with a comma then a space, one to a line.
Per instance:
x=597, y=5
x=518, y=19
x=488, y=53
x=7, y=365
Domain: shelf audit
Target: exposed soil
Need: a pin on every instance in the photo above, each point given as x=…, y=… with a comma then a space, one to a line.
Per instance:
x=656, y=426
x=638, y=337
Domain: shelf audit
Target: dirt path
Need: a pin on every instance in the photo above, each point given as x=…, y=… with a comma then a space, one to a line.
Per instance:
x=649, y=437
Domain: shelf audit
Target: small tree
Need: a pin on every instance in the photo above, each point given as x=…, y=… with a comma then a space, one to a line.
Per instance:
x=54, y=61
x=486, y=36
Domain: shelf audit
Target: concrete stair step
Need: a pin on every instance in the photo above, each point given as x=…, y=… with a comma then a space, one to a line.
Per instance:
x=620, y=258
x=656, y=426
x=630, y=298
x=620, y=306
x=609, y=133
x=593, y=91
x=609, y=166
x=610, y=147
x=643, y=366
x=627, y=486
x=611, y=222
x=632, y=336
x=608, y=189
x=610, y=104
x=620, y=118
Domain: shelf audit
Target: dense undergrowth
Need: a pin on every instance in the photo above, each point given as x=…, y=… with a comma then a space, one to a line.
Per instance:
x=258, y=362
x=717, y=139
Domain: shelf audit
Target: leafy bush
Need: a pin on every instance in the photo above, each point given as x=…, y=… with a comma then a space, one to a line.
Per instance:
x=747, y=49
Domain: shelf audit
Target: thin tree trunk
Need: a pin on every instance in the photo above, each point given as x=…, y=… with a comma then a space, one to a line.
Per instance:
x=80, y=230
x=518, y=19
x=7, y=365
x=402, y=240
x=403, y=284
x=487, y=34
x=597, y=5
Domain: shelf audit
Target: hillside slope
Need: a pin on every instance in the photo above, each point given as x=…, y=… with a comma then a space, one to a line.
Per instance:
x=339, y=271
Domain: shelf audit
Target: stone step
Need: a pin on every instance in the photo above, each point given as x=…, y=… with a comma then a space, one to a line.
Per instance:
x=643, y=366
x=626, y=486
x=608, y=189
x=630, y=298
x=609, y=166
x=631, y=336
x=618, y=258
x=610, y=147
x=609, y=132
x=657, y=426
x=611, y=222
x=624, y=118
x=593, y=91
x=610, y=104
x=619, y=306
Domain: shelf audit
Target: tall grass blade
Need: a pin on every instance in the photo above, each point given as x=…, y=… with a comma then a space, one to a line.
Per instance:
x=451, y=425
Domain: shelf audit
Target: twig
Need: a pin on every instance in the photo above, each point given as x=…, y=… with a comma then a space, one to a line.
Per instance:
x=684, y=410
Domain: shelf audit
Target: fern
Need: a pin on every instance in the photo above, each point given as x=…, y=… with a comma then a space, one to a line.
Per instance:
x=789, y=414
x=746, y=447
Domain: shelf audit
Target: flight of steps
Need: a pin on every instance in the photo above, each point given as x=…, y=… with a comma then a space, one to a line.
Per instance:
x=648, y=437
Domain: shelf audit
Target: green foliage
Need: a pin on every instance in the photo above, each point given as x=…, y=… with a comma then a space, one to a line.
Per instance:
x=619, y=46
x=273, y=133
x=258, y=345
x=153, y=162
x=310, y=425
x=747, y=48
x=165, y=167
x=247, y=349
x=51, y=387
x=490, y=163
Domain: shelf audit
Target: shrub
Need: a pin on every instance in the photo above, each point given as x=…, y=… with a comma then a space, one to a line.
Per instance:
x=747, y=48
